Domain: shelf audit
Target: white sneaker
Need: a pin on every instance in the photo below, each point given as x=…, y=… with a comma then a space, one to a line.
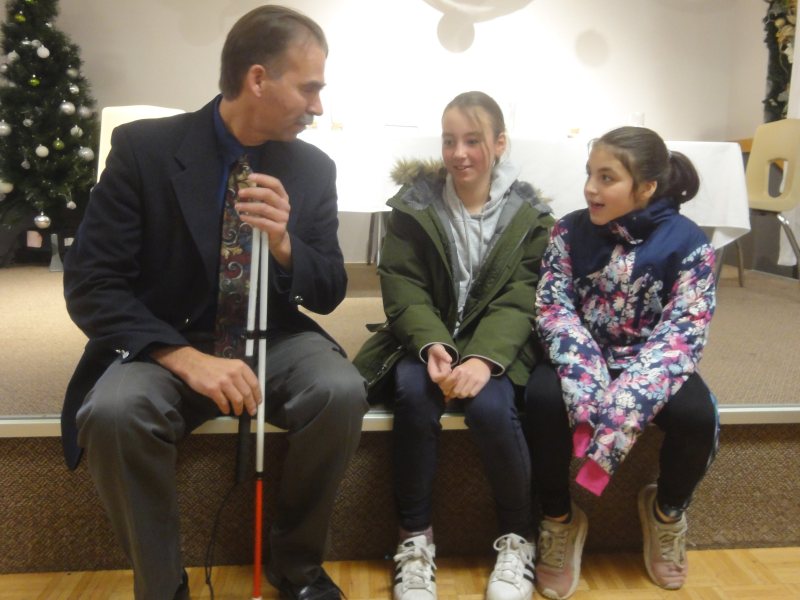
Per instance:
x=414, y=571
x=512, y=578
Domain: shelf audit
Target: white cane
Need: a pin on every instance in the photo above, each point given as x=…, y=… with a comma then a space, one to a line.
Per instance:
x=261, y=267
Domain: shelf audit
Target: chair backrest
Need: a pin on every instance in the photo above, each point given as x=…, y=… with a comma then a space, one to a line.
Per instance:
x=112, y=116
x=778, y=141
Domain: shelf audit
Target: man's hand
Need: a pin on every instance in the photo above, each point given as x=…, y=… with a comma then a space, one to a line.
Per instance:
x=467, y=379
x=266, y=206
x=230, y=383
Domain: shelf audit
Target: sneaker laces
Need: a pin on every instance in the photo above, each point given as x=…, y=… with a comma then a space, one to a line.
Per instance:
x=513, y=554
x=553, y=546
x=672, y=544
x=416, y=566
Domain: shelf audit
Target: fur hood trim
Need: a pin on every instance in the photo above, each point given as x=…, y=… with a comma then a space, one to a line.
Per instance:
x=407, y=171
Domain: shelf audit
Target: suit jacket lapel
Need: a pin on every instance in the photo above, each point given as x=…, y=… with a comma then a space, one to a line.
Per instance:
x=197, y=187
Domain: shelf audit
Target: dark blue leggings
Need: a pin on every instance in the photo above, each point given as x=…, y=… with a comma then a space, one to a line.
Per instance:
x=492, y=418
x=689, y=421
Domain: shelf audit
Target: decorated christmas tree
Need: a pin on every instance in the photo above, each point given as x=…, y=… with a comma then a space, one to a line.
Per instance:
x=48, y=125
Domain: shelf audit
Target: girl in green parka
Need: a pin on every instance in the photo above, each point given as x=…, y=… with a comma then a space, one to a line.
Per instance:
x=459, y=266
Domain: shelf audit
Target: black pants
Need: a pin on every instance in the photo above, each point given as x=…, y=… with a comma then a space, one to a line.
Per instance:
x=495, y=425
x=689, y=420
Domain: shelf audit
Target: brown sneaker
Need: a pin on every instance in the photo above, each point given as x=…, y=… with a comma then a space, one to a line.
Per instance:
x=664, y=544
x=558, y=569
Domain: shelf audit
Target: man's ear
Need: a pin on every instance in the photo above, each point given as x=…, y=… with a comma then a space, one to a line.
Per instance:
x=255, y=78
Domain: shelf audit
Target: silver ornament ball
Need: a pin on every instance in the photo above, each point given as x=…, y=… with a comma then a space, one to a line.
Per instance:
x=76, y=131
x=42, y=151
x=85, y=153
x=68, y=108
x=85, y=112
x=5, y=129
x=42, y=52
x=27, y=122
x=6, y=187
x=71, y=205
x=74, y=89
x=42, y=221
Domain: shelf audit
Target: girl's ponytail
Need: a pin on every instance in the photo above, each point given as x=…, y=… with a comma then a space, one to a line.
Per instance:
x=683, y=181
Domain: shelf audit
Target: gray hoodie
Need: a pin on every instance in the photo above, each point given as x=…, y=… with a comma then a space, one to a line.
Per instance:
x=473, y=233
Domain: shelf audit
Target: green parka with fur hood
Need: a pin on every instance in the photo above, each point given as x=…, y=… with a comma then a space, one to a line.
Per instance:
x=419, y=290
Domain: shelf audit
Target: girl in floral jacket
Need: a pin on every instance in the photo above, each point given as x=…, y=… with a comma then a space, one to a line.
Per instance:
x=623, y=307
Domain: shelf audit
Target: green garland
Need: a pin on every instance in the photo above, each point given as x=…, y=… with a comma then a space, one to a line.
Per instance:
x=779, y=26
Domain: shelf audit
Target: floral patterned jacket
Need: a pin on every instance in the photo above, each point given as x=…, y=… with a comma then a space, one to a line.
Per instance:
x=623, y=311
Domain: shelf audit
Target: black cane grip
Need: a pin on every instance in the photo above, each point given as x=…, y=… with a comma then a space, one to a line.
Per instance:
x=243, y=447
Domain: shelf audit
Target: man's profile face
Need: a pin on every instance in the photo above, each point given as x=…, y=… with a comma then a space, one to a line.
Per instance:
x=291, y=99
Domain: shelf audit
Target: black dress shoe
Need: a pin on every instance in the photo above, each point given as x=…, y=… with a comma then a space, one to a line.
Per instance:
x=322, y=588
x=182, y=593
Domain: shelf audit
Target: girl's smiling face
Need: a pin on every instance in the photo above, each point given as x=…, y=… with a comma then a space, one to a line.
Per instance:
x=609, y=188
x=469, y=149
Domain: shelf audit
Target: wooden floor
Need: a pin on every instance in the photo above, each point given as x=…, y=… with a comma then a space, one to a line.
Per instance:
x=757, y=574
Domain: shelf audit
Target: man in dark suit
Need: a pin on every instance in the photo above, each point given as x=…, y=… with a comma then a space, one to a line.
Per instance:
x=141, y=280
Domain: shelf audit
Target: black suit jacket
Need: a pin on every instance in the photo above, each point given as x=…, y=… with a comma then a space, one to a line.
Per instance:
x=145, y=258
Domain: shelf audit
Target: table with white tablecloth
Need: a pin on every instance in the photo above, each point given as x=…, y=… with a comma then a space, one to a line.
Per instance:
x=555, y=167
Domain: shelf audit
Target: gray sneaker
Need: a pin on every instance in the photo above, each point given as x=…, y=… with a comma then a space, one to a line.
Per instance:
x=664, y=544
x=558, y=569
x=414, y=574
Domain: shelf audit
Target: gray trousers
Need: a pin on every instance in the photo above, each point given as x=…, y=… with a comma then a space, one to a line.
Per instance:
x=133, y=418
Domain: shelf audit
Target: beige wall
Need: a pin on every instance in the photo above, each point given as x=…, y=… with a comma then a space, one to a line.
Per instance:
x=694, y=68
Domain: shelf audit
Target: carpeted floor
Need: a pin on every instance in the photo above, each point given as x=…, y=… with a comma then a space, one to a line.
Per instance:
x=750, y=358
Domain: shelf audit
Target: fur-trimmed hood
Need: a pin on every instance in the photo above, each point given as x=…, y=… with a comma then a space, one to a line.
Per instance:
x=406, y=171
x=423, y=178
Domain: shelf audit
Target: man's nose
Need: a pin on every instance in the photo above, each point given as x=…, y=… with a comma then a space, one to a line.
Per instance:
x=315, y=107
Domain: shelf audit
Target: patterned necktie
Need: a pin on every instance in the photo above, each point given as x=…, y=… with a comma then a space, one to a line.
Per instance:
x=234, y=270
